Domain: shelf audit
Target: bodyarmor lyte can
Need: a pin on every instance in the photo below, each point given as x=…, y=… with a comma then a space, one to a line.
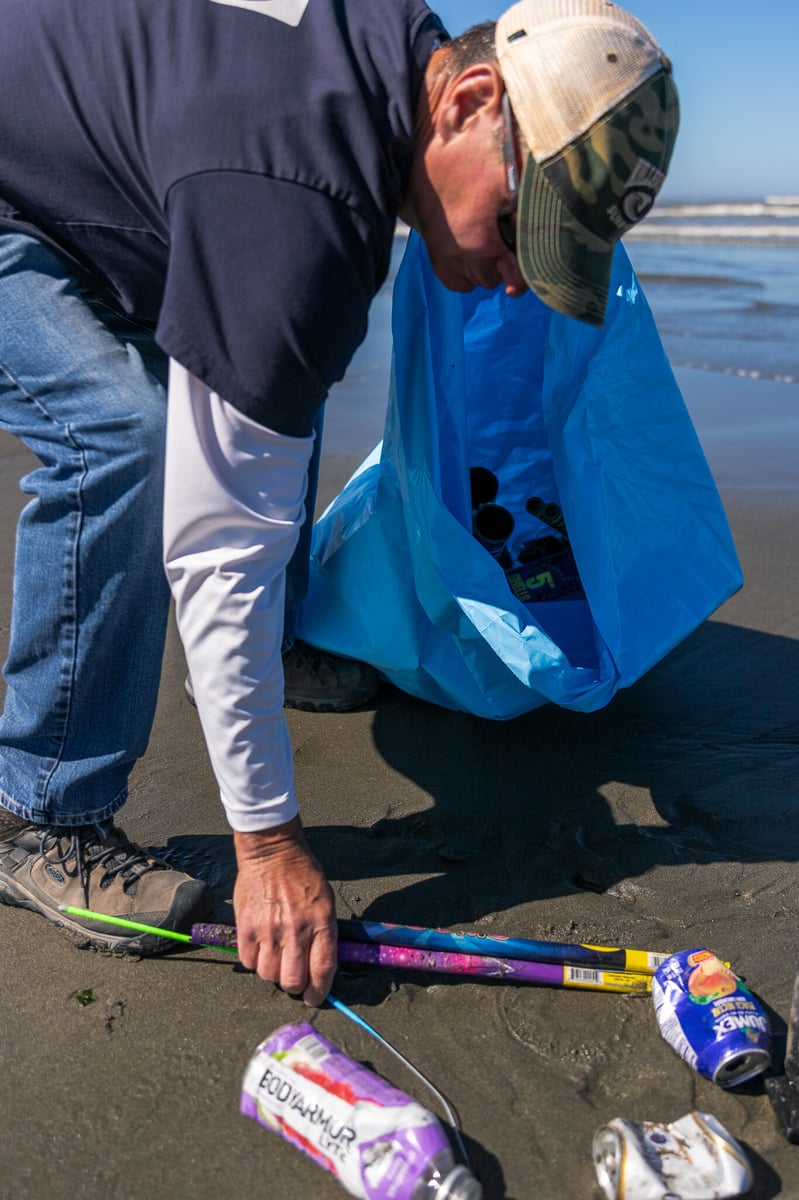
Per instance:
x=692, y=1159
x=378, y=1142
x=711, y=1018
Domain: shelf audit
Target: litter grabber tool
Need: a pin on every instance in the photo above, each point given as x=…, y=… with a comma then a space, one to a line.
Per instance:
x=201, y=935
x=302, y=1086
x=783, y=1090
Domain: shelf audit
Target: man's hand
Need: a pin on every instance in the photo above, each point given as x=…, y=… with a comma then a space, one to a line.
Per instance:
x=285, y=912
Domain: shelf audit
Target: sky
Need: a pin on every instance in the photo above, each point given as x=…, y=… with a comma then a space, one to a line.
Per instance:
x=736, y=66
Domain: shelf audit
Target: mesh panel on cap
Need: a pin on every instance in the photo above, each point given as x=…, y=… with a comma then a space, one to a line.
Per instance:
x=544, y=11
x=567, y=102
x=577, y=60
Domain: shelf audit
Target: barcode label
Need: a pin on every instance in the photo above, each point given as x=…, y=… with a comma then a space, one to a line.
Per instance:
x=313, y=1048
x=655, y=960
x=583, y=975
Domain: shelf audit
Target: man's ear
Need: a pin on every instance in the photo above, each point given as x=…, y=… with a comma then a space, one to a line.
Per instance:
x=476, y=92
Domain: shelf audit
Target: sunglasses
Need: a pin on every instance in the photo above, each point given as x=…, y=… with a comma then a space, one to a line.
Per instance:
x=506, y=217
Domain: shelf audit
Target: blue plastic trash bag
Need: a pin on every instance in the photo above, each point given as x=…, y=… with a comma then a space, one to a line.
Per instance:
x=589, y=419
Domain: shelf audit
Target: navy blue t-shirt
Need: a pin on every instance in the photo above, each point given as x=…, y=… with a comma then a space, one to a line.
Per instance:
x=228, y=171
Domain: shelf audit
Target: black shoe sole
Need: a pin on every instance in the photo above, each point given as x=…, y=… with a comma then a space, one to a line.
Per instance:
x=322, y=706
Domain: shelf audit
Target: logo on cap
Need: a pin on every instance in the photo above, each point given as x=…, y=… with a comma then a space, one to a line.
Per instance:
x=639, y=195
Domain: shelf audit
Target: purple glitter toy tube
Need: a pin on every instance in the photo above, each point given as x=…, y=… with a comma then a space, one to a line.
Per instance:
x=378, y=1142
x=511, y=970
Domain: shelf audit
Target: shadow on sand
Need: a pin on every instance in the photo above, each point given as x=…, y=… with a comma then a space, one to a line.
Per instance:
x=697, y=763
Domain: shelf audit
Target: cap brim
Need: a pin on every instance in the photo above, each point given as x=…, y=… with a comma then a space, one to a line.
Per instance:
x=566, y=265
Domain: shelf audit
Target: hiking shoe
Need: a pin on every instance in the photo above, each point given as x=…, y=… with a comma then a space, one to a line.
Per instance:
x=97, y=867
x=319, y=682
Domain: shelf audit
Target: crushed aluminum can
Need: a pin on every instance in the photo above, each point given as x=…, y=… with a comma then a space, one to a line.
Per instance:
x=694, y=1158
x=710, y=1018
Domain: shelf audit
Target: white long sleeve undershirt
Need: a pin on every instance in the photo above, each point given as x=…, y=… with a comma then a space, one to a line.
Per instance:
x=233, y=506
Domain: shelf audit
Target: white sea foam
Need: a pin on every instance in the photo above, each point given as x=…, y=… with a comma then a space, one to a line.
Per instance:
x=654, y=230
x=772, y=206
x=774, y=220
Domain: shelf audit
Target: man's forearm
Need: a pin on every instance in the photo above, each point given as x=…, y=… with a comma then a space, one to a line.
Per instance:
x=234, y=495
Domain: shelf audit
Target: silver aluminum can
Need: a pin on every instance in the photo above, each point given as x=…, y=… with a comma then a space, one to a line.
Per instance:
x=694, y=1158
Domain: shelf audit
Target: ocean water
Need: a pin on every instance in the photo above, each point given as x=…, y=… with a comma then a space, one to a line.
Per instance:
x=723, y=283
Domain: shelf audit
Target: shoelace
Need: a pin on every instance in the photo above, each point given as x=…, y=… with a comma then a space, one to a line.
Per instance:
x=310, y=658
x=103, y=847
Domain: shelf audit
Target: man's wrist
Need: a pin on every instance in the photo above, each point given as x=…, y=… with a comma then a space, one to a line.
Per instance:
x=258, y=844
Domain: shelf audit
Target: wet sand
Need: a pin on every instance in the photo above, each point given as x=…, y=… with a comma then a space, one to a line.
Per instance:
x=665, y=821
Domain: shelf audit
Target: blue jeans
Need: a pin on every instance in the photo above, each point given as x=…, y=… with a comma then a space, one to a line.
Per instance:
x=84, y=389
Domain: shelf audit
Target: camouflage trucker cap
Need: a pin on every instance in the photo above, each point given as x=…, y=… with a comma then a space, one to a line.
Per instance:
x=593, y=97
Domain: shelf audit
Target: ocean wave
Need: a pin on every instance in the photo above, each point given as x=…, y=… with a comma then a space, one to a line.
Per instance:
x=678, y=279
x=740, y=372
x=778, y=310
x=775, y=206
x=773, y=220
x=740, y=233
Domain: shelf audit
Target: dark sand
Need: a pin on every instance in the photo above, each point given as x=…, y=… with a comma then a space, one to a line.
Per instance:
x=666, y=821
